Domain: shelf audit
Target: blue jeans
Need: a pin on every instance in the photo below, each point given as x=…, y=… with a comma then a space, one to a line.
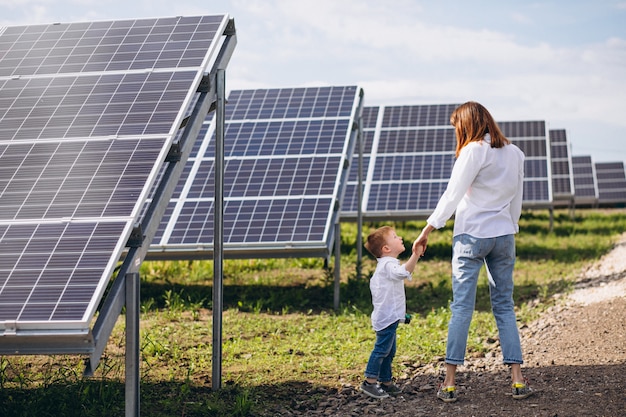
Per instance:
x=379, y=364
x=469, y=255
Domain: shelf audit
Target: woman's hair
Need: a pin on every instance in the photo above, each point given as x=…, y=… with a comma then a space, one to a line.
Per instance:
x=472, y=121
x=377, y=239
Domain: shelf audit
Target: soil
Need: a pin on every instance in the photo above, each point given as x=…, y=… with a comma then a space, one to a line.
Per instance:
x=575, y=360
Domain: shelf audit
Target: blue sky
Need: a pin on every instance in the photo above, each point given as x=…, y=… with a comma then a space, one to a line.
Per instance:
x=562, y=61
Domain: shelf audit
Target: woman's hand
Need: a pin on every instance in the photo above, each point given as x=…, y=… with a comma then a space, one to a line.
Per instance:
x=422, y=239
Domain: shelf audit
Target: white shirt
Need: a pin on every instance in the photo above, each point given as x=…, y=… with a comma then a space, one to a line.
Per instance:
x=485, y=190
x=387, y=287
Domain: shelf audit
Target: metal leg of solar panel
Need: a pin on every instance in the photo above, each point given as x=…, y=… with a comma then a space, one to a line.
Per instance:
x=359, y=221
x=551, y=212
x=132, y=344
x=337, y=266
x=218, y=235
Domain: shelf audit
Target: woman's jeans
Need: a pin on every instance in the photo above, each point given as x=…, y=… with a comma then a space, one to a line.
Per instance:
x=469, y=255
x=379, y=364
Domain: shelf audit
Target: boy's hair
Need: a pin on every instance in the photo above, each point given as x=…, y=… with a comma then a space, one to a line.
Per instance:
x=376, y=240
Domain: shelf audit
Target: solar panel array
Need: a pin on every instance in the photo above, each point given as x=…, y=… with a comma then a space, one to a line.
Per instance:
x=585, y=184
x=409, y=153
x=611, y=183
x=286, y=157
x=88, y=112
x=532, y=138
x=408, y=159
x=562, y=176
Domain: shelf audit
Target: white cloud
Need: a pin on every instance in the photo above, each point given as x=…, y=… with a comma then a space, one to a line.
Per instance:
x=408, y=51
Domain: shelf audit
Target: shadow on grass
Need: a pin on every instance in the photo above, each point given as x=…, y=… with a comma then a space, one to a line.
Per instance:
x=97, y=398
x=355, y=294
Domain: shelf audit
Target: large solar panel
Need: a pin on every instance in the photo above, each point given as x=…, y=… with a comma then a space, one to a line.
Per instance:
x=286, y=156
x=88, y=114
x=585, y=183
x=408, y=159
x=562, y=176
x=611, y=183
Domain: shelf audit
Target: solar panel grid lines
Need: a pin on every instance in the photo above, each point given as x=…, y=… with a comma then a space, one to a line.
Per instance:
x=88, y=113
x=101, y=105
x=585, y=182
x=409, y=155
x=286, y=150
x=119, y=45
x=561, y=160
x=532, y=137
x=47, y=270
x=611, y=180
x=408, y=160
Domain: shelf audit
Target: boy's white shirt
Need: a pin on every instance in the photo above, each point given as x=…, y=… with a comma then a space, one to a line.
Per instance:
x=388, y=297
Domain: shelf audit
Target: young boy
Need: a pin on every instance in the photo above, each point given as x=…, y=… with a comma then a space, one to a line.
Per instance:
x=389, y=300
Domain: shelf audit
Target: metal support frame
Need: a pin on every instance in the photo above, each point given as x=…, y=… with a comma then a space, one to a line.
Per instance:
x=218, y=236
x=125, y=288
x=337, y=266
x=126, y=291
x=356, y=136
x=551, y=214
x=132, y=344
x=359, y=201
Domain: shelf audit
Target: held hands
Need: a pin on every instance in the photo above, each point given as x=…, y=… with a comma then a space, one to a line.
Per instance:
x=419, y=249
x=419, y=246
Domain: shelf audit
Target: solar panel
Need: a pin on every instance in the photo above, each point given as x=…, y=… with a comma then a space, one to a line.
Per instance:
x=88, y=114
x=532, y=138
x=408, y=159
x=585, y=184
x=562, y=176
x=408, y=156
x=611, y=183
x=286, y=158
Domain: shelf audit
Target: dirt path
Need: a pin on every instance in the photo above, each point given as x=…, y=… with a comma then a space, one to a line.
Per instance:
x=575, y=359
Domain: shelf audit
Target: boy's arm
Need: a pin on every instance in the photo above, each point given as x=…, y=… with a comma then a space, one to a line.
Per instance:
x=418, y=251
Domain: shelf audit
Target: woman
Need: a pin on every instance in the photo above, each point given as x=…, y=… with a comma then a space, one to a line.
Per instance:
x=485, y=194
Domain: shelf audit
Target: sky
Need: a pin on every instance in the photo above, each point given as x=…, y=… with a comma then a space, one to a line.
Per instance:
x=562, y=61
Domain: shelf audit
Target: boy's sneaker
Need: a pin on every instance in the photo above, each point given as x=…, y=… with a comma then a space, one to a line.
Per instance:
x=373, y=390
x=391, y=389
x=447, y=394
x=521, y=390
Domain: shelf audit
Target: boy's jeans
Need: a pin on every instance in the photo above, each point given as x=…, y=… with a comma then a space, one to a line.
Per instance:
x=469, y=255
x=379, y=364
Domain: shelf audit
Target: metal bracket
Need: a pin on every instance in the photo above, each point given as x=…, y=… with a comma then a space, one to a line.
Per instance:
x=205, y=84
x=136, y=237
x=230, y=28
x=174, y=153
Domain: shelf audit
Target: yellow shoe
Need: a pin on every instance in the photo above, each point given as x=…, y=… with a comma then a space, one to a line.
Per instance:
x=447, y=394
x=521, y=390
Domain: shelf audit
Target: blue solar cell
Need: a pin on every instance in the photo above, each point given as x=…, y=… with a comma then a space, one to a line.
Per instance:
x=415, y=145
x=286, y=153
x=585, y=187
x=107, y=46
x=58, y=259
x=611, y=180
x=88, y=112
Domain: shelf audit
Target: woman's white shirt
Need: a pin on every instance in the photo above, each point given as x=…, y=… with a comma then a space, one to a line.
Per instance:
x=485, y=190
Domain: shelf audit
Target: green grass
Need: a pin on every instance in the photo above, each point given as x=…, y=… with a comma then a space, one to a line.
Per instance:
x=281, y=335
